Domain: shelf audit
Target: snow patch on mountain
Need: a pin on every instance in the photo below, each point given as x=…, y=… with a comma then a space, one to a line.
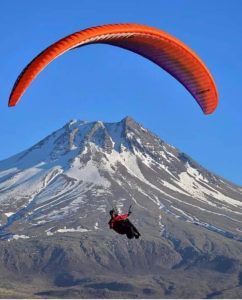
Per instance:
x=78, y=229
x=191, y=181
x=9, y=214
x=87, y=173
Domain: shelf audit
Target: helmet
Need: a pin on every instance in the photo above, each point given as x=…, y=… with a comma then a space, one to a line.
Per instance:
x=113, y=211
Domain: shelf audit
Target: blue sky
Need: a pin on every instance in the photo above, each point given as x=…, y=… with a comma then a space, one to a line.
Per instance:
x=100, y=82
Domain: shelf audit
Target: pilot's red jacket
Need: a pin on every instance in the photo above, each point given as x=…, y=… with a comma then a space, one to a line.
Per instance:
x=117, y=219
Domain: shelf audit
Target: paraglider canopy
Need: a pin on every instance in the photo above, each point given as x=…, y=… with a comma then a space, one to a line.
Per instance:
x=158, y=46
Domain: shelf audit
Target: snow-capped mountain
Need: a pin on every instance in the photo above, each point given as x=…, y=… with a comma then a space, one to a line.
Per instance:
x=71, y=179
x=55, y=199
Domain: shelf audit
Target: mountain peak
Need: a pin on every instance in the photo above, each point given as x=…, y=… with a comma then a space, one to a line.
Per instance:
x=128, y=119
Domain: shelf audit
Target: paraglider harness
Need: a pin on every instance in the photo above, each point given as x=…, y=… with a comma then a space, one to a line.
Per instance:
x=122, y=225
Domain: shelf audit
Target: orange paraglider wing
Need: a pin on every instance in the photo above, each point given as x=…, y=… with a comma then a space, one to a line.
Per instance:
x=166, y=51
